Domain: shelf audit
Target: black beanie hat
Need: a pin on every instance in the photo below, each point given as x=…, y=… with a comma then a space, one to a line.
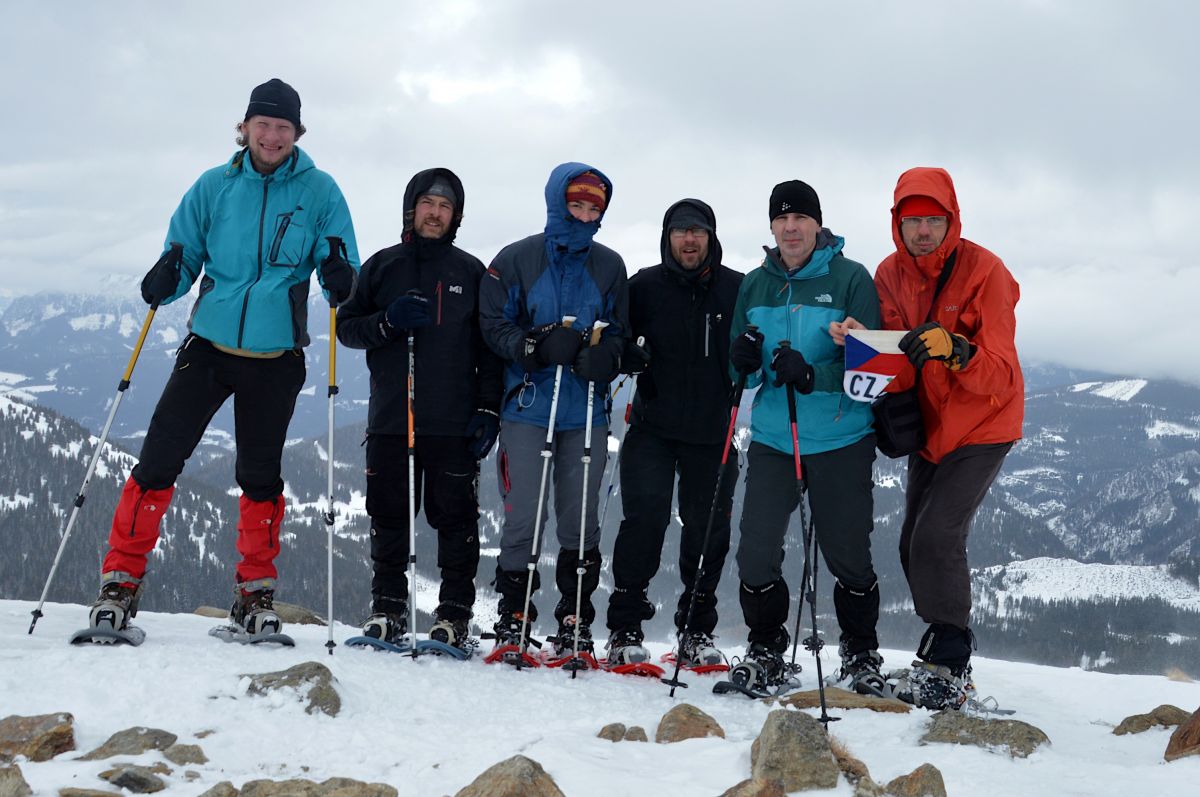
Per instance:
x=276, y=99
x=795, y=196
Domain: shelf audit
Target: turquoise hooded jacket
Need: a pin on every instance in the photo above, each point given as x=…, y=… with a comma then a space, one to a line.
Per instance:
x=798, y=307
x=253, y=241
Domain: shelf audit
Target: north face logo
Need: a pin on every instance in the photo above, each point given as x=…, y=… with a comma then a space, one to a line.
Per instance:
x=824, y=297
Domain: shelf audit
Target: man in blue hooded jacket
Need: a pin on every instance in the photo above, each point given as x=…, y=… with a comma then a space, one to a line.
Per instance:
x=527, y=291
x=257, y=227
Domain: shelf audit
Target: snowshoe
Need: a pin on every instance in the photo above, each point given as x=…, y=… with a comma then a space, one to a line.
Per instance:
x=450, y=638
x=860, y=673
x=699, y=654
x=509, y=648
x=108, y=619
x=563, y=653
x=253, y=620
x=384, y=631
x=762, y=673
x=627, y=656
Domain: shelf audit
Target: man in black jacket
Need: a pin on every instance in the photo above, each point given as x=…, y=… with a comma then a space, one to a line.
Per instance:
x=680, y=415
x=427, y=287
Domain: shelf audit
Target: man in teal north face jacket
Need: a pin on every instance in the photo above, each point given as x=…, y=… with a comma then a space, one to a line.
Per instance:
x=803, y=285
x=252, y=231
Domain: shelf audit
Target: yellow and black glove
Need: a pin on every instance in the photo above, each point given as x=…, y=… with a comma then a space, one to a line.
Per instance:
x=933, y=341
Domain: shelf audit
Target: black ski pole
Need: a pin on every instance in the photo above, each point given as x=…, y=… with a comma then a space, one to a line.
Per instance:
x=808, y=586
x=674, y=681
x=173, y=258
x=336, y=246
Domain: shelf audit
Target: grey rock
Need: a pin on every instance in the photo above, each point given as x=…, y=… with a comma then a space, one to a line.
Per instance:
x=755, y=787
x=184, y=754
x=132, y=741
x=841, y=698
x=685, y=721
x=309, y=678
x=636, y=733
x=38, y=738
x=222, y=789
x=298, y=787
x=1020, y=739
x=1185, y=741
x=924, y=781
x=138, y=780
x=614, y=732
x=793, y=749
x=90, y=793
x=516, y=777
x=289, y=613
x=867, y=788
x=1165, y=716
x=12, y=782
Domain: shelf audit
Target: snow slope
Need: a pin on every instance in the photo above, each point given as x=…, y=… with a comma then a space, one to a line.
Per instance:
x=429, y=727
x=1051, y=579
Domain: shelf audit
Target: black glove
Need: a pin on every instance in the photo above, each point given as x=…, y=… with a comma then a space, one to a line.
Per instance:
x=482, y=430
x=933, y=341
x=745, y=354
x=410, y=311
x=635, y=359
x=337, y=277
x=162, y=280
x=597, y=364
x=551, y=344
x=790, y=366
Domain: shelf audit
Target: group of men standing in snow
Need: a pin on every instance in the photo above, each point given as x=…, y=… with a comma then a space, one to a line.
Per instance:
x=513, y=352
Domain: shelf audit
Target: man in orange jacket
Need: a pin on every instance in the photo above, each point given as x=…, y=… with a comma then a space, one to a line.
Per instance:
x=958, y=301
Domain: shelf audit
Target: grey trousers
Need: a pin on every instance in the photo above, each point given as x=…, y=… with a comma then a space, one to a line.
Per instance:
x=520, y=473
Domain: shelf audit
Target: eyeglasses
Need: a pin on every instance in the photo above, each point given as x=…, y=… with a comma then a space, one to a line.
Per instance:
x=913, y=222
x=698, y=232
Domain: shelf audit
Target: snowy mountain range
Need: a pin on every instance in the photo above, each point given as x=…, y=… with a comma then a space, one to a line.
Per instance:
x=1108, y=476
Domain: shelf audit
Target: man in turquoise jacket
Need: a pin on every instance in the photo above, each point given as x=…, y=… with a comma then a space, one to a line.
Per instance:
x=252, y=231
x=803, y=284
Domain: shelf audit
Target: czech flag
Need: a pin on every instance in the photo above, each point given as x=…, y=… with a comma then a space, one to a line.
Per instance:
x=873, y=358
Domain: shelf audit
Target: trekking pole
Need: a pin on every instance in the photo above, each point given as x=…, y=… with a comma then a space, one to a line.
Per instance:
x=547, y=453
x=808, y=579
x=597, y=328
x=174, y=257
x=615, y=472
x=335, y=245
x=674, y=681
x=412, y=489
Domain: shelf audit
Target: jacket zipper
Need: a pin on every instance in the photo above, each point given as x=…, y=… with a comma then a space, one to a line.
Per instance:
x=273, y=532
x=278, y=242
x=137, y=506
x=262, y=216
x=707, y=331
x=438, y=291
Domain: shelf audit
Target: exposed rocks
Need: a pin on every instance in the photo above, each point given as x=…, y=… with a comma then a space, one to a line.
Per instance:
x=755, y=787
x=138, y=780
x=851, y=767
x=222, y=789
x=90, y=793
x=517, y=777
x=132, y=741
x=1165, y=716
x=1185, y=741
x=309, y=678
x=12, y=782
x=685, y=721
x=841, y=698
x=617, y=732
x=636, y=733
x=924, y=781
x=38, y=738
x=289, y=613
x=952, y=727
x=793, y=749
x=184, y=754
x=298, y=787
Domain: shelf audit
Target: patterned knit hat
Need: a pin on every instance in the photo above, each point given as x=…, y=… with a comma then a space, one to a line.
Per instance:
x=588, y=187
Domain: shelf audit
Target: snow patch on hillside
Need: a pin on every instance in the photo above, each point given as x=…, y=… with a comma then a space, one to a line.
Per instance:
x=1119, y=390
x=1168, y=429
x=1050, y=579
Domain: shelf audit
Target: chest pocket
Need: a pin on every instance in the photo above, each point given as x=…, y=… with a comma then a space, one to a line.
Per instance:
x=289, y=242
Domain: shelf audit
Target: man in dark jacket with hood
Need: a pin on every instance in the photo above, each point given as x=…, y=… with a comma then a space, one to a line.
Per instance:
x=683, y=308
x=426, y=287
x=527, y=291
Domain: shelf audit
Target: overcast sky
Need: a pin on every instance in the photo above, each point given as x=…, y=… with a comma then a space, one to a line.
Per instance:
x=1070, y=130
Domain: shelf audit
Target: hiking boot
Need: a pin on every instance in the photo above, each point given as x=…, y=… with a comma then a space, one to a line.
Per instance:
x=698, y=650
x=116, y=605
x=564, y=641
x=860, y=672
x=386, y=626
x=255, y=613
x=456, y=633
x=935, y=686
x=625, y=647
x=763, y=670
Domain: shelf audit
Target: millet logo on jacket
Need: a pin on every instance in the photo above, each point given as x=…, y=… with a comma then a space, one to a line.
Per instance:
x=456, y=289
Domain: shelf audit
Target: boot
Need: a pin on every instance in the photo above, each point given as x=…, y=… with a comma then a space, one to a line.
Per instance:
x=254, y=609
x=699, y=650
x=625, y=647
x=936, y=687
x=860, y=672
x=452, y=632
x=117, y=603
x=566, y=576
x=564, y=640
x=388, y=621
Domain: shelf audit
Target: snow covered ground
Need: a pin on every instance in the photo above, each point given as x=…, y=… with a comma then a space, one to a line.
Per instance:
x=429, y=727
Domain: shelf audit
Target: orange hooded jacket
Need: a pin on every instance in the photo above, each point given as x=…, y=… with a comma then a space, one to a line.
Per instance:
x=984, y=402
